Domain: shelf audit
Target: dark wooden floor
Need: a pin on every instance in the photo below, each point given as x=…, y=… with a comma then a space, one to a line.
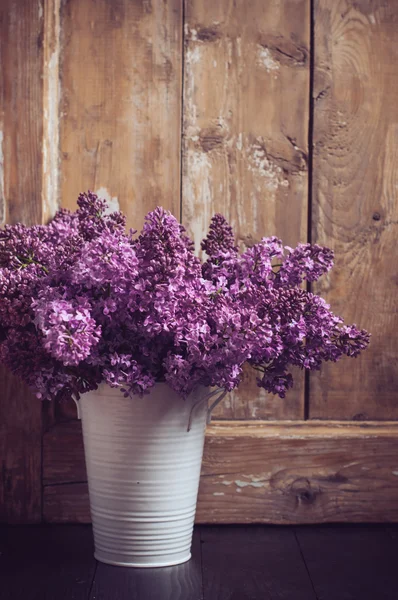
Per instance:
x=339, y=562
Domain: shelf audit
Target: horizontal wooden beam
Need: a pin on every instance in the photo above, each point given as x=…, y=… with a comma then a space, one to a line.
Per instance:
x=261, y=472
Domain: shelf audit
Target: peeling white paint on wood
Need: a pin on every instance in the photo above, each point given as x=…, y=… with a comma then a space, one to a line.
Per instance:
x=198, y=185
x=395, y=473
x=262, y=477
x=218, y=494
x=51, y=96
x=264, y=59
x=227, y=402
x=222, y=122
x=239, y=46
x=255, y=484
x=253, y=412
x=190, y=33
x=239, y=142
x=112, y=201
x=229, y=52
x=261, y=165
x=193, y=55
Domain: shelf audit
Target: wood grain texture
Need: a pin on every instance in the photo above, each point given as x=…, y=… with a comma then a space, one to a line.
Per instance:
x=343, y=562
x=355, y=203
x=58, y=412
x=296, y=474
x=253, y=563
x=350, y=562
x=62, y=444
x=44, y=563
x=121, y=103
x=182, y=582
x=66, y=503
x=21, y=89
x=50, y=110
x=245, y=139
x=281, y=472
x=20, y=452
x=120, y=70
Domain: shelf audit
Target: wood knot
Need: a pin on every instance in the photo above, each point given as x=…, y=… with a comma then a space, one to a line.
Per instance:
x=336, y=478
x=207, y=34
x=211, y=138
x=362, y=416
x=303, y=491
x=285, y=51
x=376, y=216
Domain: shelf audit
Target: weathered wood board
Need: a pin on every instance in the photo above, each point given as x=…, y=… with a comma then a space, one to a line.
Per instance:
x=120, y=105
x=118, y=126
x=21, y=89
x=268, y=472
x=246, y=100
x=355, y=202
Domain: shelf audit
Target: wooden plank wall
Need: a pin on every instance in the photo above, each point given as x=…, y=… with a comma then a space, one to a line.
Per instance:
x=281, y=115
x=355, y=207
x=274, y=472
x=120, y=104
x=21, y=151
x=245, y=140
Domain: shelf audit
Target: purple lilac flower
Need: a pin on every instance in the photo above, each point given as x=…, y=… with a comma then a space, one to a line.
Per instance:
x=68, y=329
x=220, y=239
x=93, y=218
x=125, y=373
x=305, y=262
x=83, y=302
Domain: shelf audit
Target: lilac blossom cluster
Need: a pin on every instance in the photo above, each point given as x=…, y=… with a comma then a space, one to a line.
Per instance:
x=82, y=302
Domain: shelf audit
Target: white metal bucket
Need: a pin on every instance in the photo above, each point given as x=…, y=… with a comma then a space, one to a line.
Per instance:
x=143, y=471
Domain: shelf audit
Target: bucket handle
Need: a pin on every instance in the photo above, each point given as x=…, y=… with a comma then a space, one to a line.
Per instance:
x=79, y=415
x=207, y=397
x=215, y=403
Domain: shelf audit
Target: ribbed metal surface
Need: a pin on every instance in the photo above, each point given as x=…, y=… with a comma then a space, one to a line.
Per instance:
x=143, y=471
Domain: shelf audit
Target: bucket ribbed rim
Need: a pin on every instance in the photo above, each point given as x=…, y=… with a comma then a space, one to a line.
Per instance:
x=106, y=390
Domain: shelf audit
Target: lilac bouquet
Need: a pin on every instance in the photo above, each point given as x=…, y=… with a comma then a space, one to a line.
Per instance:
x=83, y=302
